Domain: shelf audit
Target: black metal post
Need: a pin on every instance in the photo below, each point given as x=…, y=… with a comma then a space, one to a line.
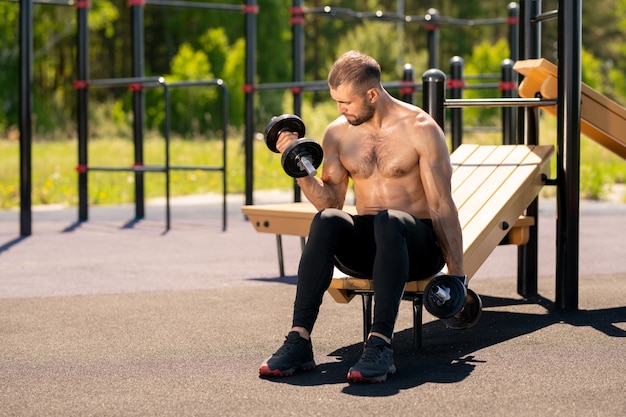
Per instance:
x=434, y=94
x=297, y=30
x=528, y=132
x=568, y=153
x=513, y=22
x=433, y=38
x=82, y=111
x=508, y=88
x=250, y=11
x=455, y=86
x=408, y=77
x=137, y=27
x=26, y=107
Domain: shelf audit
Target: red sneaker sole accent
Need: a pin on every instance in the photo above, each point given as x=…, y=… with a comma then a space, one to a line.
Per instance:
x=355, y=376
x=266, y=371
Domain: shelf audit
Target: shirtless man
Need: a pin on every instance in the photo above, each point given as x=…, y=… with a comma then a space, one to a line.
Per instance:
x=407, y=225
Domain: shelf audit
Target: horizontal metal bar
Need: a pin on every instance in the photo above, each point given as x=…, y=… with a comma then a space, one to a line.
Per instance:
x=322, y=85
x=195, y=168
x=305, y=85
x=500, y=102
x=551, y=15
x=122, y=82
x=195, y=83
x=128, y=169
x=194, y=5
x=51, y=2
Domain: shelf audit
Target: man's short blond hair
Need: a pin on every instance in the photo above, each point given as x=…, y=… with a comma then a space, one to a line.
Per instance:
x=357, y=69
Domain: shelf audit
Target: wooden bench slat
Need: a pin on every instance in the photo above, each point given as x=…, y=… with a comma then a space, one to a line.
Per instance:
x=468, y=166
x=480, y=173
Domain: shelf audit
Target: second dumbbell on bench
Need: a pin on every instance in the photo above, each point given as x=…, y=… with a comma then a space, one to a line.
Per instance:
x=303, y=156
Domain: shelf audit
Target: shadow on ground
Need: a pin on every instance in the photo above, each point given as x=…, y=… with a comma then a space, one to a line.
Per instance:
x=446, y=355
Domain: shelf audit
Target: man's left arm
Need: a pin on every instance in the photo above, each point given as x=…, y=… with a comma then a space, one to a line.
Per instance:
x=436, y=174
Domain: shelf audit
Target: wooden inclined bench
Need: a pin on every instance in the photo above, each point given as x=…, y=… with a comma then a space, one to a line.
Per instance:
x=601, y=119
x=491, y=185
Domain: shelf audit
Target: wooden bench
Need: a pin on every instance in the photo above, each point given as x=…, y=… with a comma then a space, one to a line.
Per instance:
x=491, y=186
x=601, y=119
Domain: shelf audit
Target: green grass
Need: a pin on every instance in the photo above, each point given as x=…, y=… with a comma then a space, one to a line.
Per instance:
x=54, y=178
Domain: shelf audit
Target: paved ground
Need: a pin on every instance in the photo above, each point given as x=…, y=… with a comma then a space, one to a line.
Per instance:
x=117, y=317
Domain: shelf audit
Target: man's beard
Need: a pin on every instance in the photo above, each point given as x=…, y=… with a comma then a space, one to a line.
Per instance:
x=367, y=114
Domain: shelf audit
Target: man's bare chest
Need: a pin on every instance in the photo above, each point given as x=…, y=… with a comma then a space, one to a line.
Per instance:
x=383, y=158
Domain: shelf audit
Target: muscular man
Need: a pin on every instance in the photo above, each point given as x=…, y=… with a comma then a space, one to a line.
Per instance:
x=407, y=225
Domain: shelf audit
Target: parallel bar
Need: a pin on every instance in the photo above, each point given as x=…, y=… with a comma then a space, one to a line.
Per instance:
x=194, y=5
x=500, y=102
x=551, y=15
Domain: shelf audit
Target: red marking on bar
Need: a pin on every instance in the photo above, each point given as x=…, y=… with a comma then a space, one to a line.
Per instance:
x=80, y=84
x=138, y=165
x=135, y=87
x=296, y=90
x=82, y=4
x=431, y=27
x=407, y=87
x=507, y=85
x=250, y=8
x=512, y=20
x=136, y=3
x=82, y=169
x=456, y=83
x=296, y=20
x=248, y=88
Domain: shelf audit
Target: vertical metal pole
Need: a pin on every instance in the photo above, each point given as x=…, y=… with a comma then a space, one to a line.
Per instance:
x=82, y=93
x=513, y=22
x=408, y=77
x=167, y=128
x=250, y=10
x=297, y=29
x=26, y=107
x=568, y=153
x=137, y=26
x=225, y=104
x=433, y=38
x=456, y=85
x=508, y=87
x=528, y=132
x=434, y=94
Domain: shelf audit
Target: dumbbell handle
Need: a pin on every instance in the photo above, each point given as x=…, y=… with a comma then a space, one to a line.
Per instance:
x=304, y=163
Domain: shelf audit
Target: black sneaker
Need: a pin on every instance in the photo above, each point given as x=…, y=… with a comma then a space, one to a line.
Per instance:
x=375, y=363
x=296, y=353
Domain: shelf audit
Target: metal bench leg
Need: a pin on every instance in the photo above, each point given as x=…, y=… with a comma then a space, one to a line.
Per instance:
x=279, y=248
x=417, y=321
x=367, y=314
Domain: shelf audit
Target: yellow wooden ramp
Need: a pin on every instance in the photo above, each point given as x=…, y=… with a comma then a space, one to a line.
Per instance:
x=601, y=119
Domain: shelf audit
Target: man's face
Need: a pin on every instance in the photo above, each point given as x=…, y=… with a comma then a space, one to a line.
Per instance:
x=356, y=108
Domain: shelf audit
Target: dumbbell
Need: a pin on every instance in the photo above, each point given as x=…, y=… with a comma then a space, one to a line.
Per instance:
x=469, y=314
x=444, y=296
x=302, y=157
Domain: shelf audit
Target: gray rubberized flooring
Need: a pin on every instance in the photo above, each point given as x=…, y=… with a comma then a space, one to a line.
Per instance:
x=116, y=317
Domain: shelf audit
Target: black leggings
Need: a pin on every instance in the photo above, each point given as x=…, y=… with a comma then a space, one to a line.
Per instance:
x=392, y=247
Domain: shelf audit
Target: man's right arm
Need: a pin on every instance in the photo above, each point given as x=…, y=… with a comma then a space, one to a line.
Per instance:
x=330, y=190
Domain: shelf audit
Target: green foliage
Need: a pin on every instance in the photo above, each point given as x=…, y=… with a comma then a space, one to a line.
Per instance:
x=486, y=58
x=180, y=42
